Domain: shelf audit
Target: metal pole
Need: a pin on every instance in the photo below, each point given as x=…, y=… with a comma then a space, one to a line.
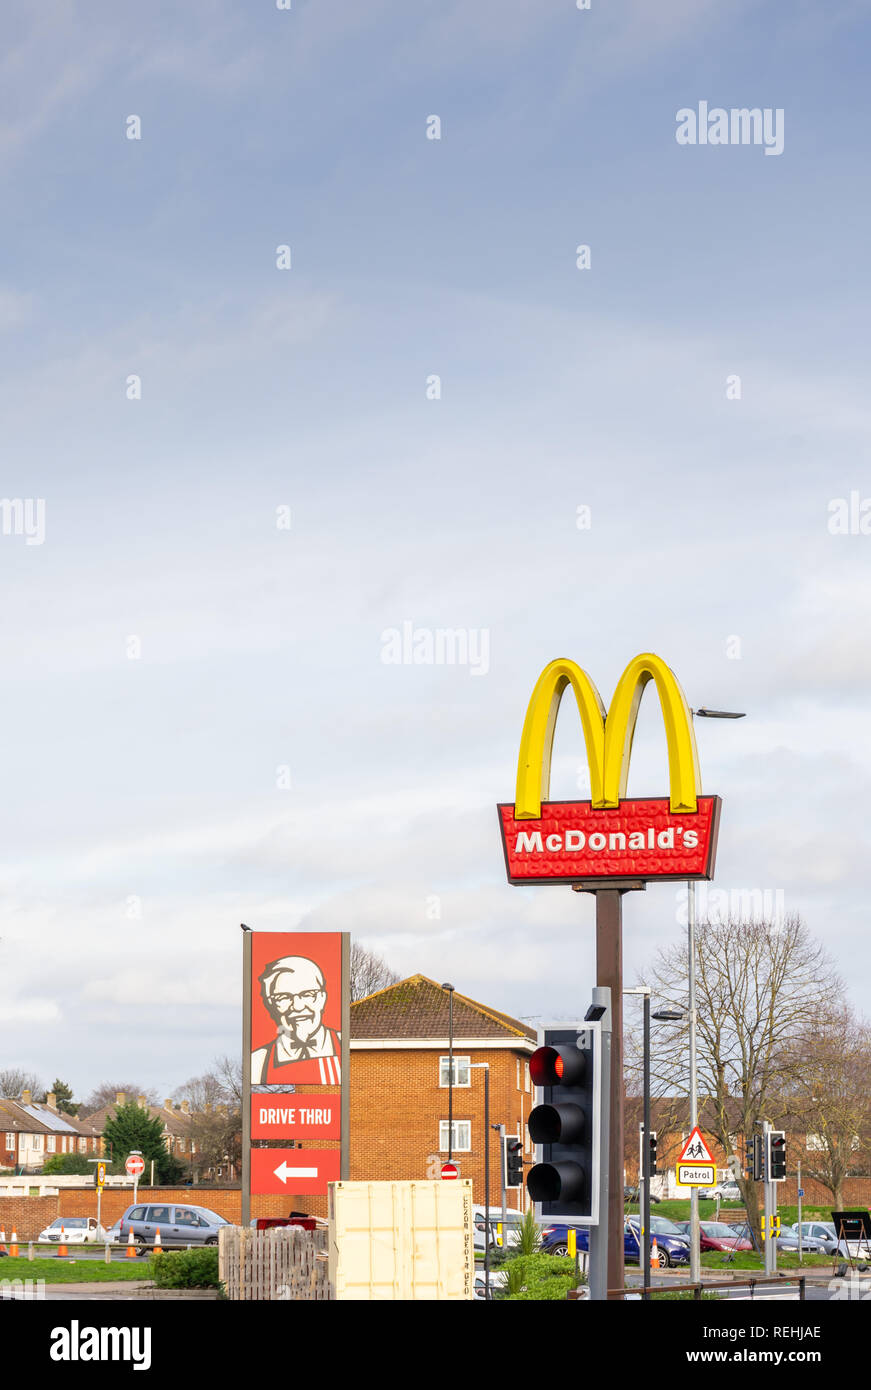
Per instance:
x=798, y=1223
x=246, y=1078
x=503, y=1163
x=609, y=974
x=695, y=1234
x=487, y=1182
x=450, y=1074
x=769, y=1245
x=597, y=1265
x=644, y=1243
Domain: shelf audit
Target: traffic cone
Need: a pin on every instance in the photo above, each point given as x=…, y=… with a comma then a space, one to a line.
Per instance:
x=62, y=1250
x=3, y=1250
x=13, y=1244
x=654, y=1255
x=131, y=1245
x=158, y=1248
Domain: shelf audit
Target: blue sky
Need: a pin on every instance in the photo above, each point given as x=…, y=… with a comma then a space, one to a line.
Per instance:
x=155, y=779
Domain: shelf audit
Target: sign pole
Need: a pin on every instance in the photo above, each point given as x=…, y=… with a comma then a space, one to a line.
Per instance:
x=246, y=1079
x=695, y=1230
x=798, y=1223
x=768, y=1190
x=345, y=1094
x=597, y=1265
x=609, y=975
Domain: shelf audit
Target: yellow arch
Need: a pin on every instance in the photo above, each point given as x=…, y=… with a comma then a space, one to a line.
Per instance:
x=608, y=740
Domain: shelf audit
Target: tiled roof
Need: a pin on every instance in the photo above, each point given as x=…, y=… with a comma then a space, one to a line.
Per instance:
x=175, y=1122
x=14, y=1116
x=55, y=1120
x=418, y=1008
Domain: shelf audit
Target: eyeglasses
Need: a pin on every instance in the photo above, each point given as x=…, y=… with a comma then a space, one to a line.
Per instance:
x=305, y=999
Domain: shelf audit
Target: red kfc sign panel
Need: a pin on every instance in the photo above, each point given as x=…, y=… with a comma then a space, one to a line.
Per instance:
x=296, y=1008
x=303, y=1172
x=279, y=1115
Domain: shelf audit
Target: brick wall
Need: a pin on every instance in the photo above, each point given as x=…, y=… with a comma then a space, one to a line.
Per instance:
x=27, y=1216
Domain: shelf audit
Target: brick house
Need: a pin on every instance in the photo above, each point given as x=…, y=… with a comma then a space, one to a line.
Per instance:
x=399, y=1085
x=32, y=1131
x=178, y=1123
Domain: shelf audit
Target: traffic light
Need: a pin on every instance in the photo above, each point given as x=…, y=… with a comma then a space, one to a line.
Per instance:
x=755, y=1168
x=777, y=1151
x=513, y=1158
x=641, y=1153
x=566, y=1122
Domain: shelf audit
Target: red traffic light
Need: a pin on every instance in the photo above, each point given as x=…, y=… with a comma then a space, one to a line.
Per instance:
x=557, y=1066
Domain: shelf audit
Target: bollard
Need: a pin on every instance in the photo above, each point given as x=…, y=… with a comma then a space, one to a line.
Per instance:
x=108, y=1254
x=30, y=1251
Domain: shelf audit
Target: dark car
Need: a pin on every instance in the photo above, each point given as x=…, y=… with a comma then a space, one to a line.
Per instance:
x=673, y=1247
x=179, y=1225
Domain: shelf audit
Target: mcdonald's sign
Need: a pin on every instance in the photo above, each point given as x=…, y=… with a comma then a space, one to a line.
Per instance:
x=609, y=836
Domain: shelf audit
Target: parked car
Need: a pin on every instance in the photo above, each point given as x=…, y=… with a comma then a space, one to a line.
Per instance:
x=726, y=1191
x=632, y=1194
x=823, y=1231
x=178, y=1225
x=719, y=1235
x=513, y=1221
x=787, y=1241
x=672, y=1245
x=77, y=1230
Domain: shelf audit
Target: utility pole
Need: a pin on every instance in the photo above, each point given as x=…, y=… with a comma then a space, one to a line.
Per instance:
x=768, y=1230
x=597, y=1265
x=695, y=1232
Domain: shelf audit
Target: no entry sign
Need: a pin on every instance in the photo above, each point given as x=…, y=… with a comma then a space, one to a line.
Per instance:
x=450, y=1172
x=135, y=1165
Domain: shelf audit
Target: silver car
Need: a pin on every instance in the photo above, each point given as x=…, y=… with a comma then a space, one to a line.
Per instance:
x=179, y=1225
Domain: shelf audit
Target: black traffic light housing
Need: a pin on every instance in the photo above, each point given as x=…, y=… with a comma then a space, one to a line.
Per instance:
x=513, y=1159
x=755, y=1158
x=652, y=1152
x=565, y=1124
x=777, y=1155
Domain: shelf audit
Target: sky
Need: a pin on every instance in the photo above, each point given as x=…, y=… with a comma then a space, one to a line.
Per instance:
x=242, y=474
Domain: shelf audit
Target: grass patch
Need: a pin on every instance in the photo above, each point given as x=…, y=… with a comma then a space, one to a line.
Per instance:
x=55, y=1271
x=748, y=1259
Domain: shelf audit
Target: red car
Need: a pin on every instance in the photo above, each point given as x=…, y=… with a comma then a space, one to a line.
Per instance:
x=718, y=1235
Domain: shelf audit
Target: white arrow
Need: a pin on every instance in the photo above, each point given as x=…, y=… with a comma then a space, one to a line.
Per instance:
x=283, y=1172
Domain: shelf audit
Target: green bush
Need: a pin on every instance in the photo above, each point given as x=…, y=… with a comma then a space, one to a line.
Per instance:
x=538, y=1277
x=186, y=1269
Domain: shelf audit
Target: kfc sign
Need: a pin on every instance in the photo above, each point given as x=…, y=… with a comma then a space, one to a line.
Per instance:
x=283, y=1115
x=296, y=1009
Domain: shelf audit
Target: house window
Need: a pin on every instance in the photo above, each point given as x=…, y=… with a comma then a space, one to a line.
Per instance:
x=49, y=1144
x=462, y=1136
x=462, y=1076
x=10, y=1139
x=83, y=1146
x=37, y=1143
x=815, y=1143
x=180, y=1143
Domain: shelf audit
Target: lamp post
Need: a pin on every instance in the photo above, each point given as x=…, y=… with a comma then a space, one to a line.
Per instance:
x=695, y=1234
x=450, y=990
x=485, y=1067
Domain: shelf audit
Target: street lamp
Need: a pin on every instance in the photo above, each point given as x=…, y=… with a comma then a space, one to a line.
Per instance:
x=485, y=1067
x=695, y=1233
x=450, y=990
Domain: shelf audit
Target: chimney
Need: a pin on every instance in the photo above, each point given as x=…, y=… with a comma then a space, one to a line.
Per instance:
x=26, y=1098
x=140, y=1101
x=207, y=1109
x=167, y=1104
x=120, y=1098
x=51, y=1100
x=186, y=1106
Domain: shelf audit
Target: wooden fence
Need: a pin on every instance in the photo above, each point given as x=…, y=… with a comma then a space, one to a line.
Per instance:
x=282, y=1263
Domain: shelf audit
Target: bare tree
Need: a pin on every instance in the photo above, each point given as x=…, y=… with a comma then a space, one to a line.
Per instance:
x=369, y=972
x=758, y=987
x=105, y=1094
x=830, y=1096
x=14, y=1080
x=229, y=1072
x=215, y=1116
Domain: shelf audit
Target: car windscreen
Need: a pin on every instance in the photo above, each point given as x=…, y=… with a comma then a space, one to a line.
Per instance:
x=720, y=1230
x=212, y=1217
x=663, y=1227
x=72, y=1223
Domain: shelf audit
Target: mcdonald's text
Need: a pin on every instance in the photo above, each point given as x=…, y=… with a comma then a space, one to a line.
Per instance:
x=573, y=841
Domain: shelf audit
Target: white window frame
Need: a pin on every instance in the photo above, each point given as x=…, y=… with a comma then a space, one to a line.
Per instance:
x=462, y=1131
x=10, y=1138
x=83, y=1146
x=444, y=1072
x=49, y=1144
x=36, y=1144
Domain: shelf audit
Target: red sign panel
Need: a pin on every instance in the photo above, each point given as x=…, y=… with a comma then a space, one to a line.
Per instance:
x=296, y=1008
x=450, y=1171
x=134, y=1166
x=639, y=839
x=283, y=1115
x=300, y=1172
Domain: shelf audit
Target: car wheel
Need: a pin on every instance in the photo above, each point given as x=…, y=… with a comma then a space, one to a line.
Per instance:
x=212, y=1240
x=664, y=1260
x=140, y=1241
x=558, y=1250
